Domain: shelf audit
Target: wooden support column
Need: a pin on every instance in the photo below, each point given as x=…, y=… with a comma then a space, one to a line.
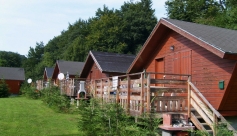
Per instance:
x=94, y=89
x=142, y=94
x=148, y=93
x=215, y=124
x=117, y=92
x=108, y=90
x=128, y=94
x=189, y=97
x=101, y=89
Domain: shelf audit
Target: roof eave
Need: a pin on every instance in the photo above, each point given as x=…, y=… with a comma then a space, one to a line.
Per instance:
x=230, y=56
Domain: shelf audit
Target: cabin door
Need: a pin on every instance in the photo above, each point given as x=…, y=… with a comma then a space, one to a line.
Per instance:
x=159, y=68
x=182, y=63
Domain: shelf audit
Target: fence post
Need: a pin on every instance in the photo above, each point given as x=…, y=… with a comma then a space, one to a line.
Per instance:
x=189, y=97
x=128, y=94
x=214, y=124
x=148, y=94
x=142, y=94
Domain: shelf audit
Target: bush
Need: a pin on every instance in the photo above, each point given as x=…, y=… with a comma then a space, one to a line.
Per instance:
x=109, y=120
x=29, y=91
x=52, y=98
x=4, y=90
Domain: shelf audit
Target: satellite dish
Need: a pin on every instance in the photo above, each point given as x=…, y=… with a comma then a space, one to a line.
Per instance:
x=61, y=76
x=29, y=80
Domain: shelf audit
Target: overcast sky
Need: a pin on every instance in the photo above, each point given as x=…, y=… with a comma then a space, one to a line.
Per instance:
x=25, y=22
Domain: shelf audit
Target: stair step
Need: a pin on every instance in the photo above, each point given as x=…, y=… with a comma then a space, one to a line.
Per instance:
x=198, y=117
x=204, y=124
x=209, y=131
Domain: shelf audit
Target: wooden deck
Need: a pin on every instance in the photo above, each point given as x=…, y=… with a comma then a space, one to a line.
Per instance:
x=143, y=93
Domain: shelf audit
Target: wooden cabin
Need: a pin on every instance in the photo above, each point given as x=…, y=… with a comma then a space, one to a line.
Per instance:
x=47, y=79
x=207, y=53
x=72, y=69
x=183, y=68
x=48, y=72
x=104, y=64
x=13, y=77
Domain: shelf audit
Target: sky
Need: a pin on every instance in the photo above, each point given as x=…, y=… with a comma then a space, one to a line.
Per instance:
x=25, y=22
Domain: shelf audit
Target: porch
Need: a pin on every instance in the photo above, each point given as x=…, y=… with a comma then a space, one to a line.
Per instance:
x=156, y=93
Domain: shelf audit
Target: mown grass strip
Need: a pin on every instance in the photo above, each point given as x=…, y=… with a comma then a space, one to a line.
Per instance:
x=22, y=117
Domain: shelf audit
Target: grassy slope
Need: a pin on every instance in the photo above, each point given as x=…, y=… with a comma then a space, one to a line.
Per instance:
x=21, y=116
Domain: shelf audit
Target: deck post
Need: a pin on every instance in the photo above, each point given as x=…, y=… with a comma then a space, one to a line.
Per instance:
x=148, y=101
x=94, y=84
x=214, y=124
x=189, y=97
x=128, y=94
x=117, y=92
x=108, y=90
x=101, y=89
x=142, y=94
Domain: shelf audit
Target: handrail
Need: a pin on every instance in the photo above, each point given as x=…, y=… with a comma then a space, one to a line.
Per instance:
x=168, y=74
x=205, y=100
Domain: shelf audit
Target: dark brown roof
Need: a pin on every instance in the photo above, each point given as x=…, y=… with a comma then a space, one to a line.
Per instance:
x=107, y=62
x=72, y=67
x=10, y=73
x=222, y=39
x=49, y=72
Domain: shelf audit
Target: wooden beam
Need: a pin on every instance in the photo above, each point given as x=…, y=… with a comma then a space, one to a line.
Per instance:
x=129, y=93
x=148, y=93
x=201, y=113
x=204, y=108
x=189, y=98
x=167, y=89
x=168, y=81
x=142, y=93
x=205, y=100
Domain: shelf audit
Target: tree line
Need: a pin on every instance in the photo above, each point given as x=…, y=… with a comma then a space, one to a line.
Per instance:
x=122, y=30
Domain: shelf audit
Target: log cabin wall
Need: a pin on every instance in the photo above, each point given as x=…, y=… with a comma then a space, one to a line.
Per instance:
x=95, y=73
x=14, y=86
x=206, y=68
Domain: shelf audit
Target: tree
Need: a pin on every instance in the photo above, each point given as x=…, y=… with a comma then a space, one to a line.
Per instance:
x=11, y=59
x=220, y=13
x=190, y=10
x=32, y=65
x=4, y=90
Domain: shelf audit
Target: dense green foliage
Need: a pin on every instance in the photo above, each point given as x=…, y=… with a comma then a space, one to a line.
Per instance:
x=111, y=120
x=29, y=91
x=11, y=59
x=221, y=13
x=4, y=90
x=52, y=98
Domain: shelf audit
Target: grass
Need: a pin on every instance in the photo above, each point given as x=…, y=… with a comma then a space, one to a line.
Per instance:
x=20, y=116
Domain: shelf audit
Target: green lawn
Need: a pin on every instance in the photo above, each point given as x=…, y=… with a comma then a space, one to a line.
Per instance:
x=20, y=116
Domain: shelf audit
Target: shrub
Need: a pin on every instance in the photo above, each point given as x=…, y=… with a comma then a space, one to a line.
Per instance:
x=108, y=120
x=52, y=98
x=4, y=90
x=30, y=91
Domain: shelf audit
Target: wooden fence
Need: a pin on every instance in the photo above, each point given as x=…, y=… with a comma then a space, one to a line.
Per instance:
x=144, y=92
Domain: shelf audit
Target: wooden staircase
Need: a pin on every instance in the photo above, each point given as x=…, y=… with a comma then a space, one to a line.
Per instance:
x=203, y=115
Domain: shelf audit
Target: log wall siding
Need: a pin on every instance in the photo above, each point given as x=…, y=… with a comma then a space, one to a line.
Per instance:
x=206, y=68
x=14, y=86
x=95, y=73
